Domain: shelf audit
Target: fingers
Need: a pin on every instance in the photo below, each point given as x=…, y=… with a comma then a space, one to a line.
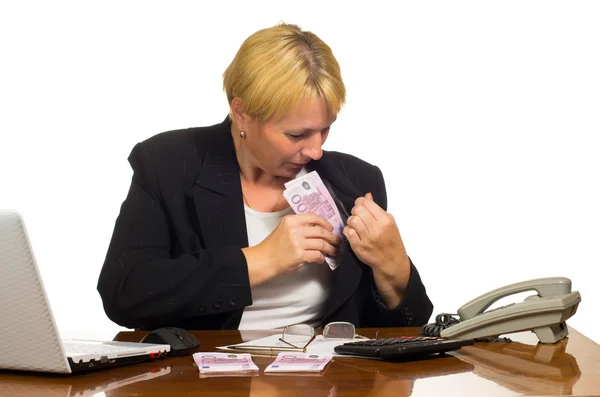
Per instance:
x=368, y=218
x=359, y=225
x=361, y=219
x=352, y=236
x=317, y=232
x=314, y=244
x=313, y=257
x=313, y=237
x=371, y=206
x=310, y=218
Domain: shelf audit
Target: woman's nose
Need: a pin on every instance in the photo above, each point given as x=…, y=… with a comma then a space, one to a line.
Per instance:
x=313, y=147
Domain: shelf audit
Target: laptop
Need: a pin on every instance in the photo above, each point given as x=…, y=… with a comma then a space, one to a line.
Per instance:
x=29, y=338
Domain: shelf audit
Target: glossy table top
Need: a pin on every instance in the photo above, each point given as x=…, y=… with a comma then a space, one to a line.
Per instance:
x=522, y=367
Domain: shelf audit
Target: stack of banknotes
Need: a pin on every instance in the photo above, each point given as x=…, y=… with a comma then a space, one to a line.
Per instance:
x=308, y=194
x=224, y=364
x=299, y=362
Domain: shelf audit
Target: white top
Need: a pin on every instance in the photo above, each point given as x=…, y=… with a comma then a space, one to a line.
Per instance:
x=291, y=298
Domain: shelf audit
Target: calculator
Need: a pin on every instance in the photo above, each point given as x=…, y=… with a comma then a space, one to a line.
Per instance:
x=402, y=347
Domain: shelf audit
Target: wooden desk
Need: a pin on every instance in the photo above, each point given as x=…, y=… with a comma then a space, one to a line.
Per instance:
x=523, y=367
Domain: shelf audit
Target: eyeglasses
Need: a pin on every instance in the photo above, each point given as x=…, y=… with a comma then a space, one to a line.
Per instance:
x=298, y=334
x=297, y=337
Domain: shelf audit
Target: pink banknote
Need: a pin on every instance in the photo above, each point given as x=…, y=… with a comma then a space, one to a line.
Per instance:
x=308, y=194
x=299, y=362
x=224, y=362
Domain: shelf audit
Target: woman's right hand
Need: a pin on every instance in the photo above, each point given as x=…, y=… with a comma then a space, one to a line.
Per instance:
x=298, y=239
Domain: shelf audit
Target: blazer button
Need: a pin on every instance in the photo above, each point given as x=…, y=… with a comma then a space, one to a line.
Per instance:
x=201, y=309
x=232, y=302
x=217, y=305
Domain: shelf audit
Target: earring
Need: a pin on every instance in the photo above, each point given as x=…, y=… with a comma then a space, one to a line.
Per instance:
x=242, y=134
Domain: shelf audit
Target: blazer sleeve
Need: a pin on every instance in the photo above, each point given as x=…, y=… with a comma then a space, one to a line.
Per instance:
x=415, y=308
x=142, y=285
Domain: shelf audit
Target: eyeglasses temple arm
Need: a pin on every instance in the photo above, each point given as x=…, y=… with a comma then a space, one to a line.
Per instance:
x=308, y=343
x=288, y=343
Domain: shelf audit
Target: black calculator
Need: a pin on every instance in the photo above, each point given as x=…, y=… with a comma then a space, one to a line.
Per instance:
x=402, y=347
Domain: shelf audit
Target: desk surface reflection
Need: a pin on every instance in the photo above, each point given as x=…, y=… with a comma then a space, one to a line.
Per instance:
x=522, y=367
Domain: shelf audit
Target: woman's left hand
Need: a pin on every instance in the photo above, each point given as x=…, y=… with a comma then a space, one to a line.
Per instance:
x=375, y=239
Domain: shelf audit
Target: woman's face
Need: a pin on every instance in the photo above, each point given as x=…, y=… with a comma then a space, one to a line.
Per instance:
x=282, y=147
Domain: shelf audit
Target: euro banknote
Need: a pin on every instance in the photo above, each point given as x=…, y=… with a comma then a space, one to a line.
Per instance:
x=309, y=194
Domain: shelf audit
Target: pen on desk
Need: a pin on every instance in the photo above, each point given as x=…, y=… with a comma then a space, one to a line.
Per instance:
x=267, y=348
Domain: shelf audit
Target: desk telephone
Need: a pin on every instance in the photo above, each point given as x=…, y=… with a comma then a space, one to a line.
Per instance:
x=544, y=313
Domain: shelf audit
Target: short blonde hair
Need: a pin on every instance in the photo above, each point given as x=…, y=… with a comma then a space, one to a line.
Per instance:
x=278, y=66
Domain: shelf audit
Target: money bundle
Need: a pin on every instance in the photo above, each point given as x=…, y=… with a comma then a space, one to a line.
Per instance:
x=309, y=194
x=299, y=362
x=222, y=363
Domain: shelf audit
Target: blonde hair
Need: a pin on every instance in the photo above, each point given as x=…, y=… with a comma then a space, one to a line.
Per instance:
x=278, y=66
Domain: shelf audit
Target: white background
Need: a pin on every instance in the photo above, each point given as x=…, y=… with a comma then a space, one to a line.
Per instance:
x=483, y=116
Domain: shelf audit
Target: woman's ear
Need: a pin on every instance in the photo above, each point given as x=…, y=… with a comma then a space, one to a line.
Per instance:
x=240, y=118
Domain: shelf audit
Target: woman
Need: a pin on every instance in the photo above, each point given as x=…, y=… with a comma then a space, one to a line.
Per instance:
x=205, y=238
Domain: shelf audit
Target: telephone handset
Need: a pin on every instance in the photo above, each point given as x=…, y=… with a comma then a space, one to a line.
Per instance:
x=544, y=314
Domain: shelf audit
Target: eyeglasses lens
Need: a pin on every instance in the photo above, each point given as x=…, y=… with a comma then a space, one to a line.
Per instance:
x=339, y=331
x=298, y=334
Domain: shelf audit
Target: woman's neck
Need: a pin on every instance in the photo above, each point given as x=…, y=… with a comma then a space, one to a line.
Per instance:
x=249, y=170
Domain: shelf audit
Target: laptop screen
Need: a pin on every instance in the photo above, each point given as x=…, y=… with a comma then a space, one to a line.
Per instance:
x=29, y=338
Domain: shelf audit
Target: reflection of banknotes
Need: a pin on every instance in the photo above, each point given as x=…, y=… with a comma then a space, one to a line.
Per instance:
x=308, y=194
x=299, y=362
x=224, y=363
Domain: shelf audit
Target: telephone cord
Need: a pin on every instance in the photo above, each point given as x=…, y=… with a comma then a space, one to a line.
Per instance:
x=442, y=321
x=445, y=320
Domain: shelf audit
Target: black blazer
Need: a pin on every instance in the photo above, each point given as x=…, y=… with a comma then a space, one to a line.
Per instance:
x=175, y=257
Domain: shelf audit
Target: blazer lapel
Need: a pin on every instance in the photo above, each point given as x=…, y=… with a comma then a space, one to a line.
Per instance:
x=339, y=180
x=218, y=194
